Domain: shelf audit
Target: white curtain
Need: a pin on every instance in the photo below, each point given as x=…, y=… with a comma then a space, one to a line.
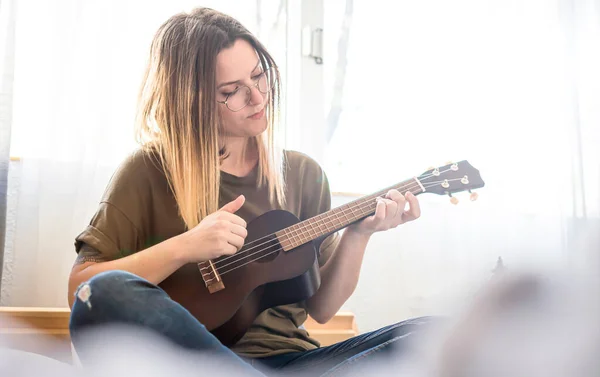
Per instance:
x=78, y=66
x=511, y=86
x=6, y=80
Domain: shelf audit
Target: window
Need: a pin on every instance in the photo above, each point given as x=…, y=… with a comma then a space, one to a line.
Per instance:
x=413, y=84
x=76, y=84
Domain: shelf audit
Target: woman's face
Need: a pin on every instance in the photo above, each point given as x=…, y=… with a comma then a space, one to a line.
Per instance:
x=237, y=66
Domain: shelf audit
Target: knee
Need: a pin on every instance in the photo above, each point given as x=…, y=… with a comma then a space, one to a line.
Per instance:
x=109, y=282
x=105, y=284
x=104, y=291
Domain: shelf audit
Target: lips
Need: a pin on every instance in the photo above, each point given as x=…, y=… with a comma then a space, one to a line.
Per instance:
x=258, y=115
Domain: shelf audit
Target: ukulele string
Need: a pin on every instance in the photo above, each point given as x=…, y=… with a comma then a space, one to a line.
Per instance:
x=240, y=255
x=432, y=184
x=358, y=207
x=269, y=253
x=422, y=178
x=245, y=250
x=216, y=261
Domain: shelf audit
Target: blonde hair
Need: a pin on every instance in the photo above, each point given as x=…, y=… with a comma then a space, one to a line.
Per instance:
x=177, y=114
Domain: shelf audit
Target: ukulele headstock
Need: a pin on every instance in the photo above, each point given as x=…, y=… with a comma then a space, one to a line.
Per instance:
x=452, y=178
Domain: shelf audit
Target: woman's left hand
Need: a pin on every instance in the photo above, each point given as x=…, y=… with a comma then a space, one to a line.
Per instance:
x=390, y=212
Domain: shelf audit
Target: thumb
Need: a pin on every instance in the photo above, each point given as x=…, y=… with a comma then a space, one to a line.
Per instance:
x=234, y=205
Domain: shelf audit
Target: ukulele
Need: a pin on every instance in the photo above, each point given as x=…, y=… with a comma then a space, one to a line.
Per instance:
x=278, y=264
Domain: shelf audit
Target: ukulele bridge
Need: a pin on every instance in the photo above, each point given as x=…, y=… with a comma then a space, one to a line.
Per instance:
x=211, y=276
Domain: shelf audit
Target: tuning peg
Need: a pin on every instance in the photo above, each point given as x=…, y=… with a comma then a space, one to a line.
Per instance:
x=474, y=196
x=449, y=162
x=453, y=200
x=430, y=168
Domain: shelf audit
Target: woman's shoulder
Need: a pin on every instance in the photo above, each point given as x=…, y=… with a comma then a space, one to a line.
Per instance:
x=304, y=173
x=298, y=161
x=139, y=171
x=141, y=160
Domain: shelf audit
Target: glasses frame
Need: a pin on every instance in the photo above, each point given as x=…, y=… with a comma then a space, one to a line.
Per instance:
x=273, y=72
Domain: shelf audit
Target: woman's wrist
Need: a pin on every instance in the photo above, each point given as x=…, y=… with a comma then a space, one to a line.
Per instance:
x=178, y=248
x=357, y=235
x=356, y=231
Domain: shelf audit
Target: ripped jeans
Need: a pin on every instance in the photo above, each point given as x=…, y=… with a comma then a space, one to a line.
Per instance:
x=118, y=297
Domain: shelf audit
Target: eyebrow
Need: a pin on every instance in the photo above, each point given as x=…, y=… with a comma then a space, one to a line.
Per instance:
x=238, y=81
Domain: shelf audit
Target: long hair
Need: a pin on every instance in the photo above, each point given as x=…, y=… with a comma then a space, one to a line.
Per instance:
x=177, y=114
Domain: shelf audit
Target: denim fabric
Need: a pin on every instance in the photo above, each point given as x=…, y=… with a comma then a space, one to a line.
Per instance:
x=118, y=297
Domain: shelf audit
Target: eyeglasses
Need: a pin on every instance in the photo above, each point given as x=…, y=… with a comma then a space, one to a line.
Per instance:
x=240, y=97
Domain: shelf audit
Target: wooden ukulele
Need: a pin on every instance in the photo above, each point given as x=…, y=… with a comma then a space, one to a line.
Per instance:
x=278, y=263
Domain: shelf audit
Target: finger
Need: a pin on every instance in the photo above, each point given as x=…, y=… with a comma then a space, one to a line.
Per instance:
x=393, y=194
x=235, y=219
x=230, y=249
x=414, y=206
x=379, y=214
x=414, y=210
x=399, y=199
x=380, y=210
x=234, y=205
x=239, y=230
x=391, y=209
x=235, y=240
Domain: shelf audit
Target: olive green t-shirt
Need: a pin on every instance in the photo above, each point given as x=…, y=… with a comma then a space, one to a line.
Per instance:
x=138, y=210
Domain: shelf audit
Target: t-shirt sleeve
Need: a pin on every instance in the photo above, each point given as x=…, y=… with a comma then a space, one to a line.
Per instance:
x=117, y=228
x=110, y=233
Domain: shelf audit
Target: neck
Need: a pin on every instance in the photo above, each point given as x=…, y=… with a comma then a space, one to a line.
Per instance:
x=241, y=155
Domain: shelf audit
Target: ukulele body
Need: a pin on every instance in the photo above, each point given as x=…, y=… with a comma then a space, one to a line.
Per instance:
x=269, y=278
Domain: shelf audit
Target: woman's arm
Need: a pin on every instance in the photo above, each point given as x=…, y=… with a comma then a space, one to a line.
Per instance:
x=220, y=233
x=339, y=275
x=154, y=264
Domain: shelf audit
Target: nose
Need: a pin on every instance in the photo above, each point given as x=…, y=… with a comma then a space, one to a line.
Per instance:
x=256, y=97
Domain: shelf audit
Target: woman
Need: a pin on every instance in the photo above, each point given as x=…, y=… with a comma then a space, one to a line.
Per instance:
x=208, y=165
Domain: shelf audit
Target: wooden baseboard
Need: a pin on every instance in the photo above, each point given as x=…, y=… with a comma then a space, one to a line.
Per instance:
x=45, y=331
x=341, y=327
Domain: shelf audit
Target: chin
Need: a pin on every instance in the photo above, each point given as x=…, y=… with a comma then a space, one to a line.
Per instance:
x=257, y=129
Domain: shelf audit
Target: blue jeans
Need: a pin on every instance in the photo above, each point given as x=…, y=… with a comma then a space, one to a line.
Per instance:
x=118, y=297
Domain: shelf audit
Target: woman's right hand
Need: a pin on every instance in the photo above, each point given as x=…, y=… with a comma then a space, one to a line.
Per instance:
x=220, y=233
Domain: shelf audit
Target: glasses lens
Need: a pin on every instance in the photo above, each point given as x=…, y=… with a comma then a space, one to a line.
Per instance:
x=266, y=82
x=239, y=99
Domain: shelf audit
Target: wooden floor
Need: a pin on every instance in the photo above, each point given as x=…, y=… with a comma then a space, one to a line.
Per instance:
x=45, y=331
